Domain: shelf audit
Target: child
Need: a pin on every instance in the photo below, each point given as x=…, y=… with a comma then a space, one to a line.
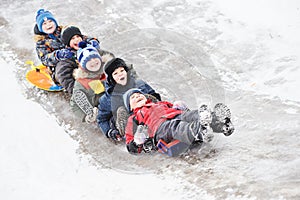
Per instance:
x=56, y=48
x=71, y=37
x=162, y=121
x=49, y=46
x=88, y=87
x=119, y=80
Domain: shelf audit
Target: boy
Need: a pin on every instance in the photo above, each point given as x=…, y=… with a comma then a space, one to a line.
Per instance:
x=56, y=48
x=71, y=38
x=88, y=87
x=163, y=121
x=49, y=46
x=119, y=80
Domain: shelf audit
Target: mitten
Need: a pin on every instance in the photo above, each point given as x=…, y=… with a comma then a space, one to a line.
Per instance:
x=180, y=105
x=148, y=145
x=82, y=44
x=95, y=44
x=64, y=54
x=141, y=134
x=92, y=117
x=133, y=148
x=114, y=134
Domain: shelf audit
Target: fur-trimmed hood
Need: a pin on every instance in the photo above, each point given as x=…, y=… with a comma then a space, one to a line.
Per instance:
x=39, y=36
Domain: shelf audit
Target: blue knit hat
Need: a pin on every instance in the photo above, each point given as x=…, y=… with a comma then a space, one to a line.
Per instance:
x=41, y=16
x=126, y=97
x=85, y=53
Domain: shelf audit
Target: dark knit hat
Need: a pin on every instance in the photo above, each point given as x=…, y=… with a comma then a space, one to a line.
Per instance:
x=126, y=97
x=68, y=33
x=111, y=66
x=41, y=16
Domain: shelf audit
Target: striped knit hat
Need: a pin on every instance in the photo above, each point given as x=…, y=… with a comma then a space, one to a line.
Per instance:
x=85, y=53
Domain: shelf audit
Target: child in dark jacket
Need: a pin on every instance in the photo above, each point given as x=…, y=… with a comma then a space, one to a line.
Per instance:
x=119, y=80
x=162, y=121
x=71, y=37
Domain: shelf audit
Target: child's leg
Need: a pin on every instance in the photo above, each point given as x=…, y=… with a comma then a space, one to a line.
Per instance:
x=203, y=115
x=186, y=132
x=189, y=116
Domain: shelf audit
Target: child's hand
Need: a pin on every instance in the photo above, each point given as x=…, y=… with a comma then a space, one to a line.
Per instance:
x=64, y=54
x=92, y=117
x=180, y=105
x=141, y=134
x=95, y=44
x=114, y=135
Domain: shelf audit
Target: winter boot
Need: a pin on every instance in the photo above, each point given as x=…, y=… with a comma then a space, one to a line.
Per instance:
x=204, y=116
x=122, y=117
x=83, y=103
x=205, y=120
x=221, y=122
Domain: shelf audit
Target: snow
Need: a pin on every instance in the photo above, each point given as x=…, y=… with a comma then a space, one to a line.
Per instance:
x=39, y=160
x=254, y=48
x=274, y=26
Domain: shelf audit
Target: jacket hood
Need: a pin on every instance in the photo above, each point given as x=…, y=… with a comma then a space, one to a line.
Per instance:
x=116, y=88
x=37, y=31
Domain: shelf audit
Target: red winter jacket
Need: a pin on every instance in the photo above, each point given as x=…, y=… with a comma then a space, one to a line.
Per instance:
x=152, y=115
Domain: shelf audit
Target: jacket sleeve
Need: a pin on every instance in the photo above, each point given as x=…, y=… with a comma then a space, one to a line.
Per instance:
x=131, y=127
x=46, y=54
x=105, y=113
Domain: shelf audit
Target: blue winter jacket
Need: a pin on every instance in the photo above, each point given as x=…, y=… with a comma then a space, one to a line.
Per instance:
x=113, y=99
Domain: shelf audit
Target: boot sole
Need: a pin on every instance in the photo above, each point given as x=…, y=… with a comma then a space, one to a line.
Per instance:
x=223, y=114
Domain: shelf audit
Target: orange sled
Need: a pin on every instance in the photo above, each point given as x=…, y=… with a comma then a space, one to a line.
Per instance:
x=40, y=77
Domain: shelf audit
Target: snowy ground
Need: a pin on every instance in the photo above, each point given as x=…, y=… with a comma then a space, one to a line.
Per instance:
x=243, y=53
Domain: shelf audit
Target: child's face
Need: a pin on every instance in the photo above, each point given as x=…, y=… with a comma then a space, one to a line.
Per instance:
x=137, y=100
x=48, y=26
x=120, y=76
x=75, y=41
x=93, y=65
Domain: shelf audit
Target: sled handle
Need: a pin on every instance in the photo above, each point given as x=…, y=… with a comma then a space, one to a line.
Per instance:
x=37, y=68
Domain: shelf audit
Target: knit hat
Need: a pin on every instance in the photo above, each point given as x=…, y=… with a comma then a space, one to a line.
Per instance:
x=111, y=66
x=126, y=97
x=41, y=16
x=85, y=53
x=68, y=33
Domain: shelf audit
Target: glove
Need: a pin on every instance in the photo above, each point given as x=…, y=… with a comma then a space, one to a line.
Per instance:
x=114, y=135
x=92, y=117
x=133, y=148
x=95, y=44
x=64, y=54
x=148, y=145
x=141, y=134
x=180, y=105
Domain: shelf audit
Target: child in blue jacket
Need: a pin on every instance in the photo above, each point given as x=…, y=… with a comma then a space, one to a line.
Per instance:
x=48, y=37
x=119, y=80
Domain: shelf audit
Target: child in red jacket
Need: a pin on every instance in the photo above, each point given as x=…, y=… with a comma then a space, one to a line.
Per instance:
x=162, y=120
